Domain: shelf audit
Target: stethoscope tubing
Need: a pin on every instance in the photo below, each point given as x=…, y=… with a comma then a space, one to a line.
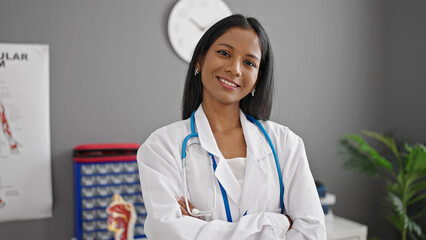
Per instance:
x=277, y=163
x=195, y=212
x=199, y=213
x=224, y=195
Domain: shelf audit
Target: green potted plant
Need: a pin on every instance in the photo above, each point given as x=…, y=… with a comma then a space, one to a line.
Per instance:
x=404, y=173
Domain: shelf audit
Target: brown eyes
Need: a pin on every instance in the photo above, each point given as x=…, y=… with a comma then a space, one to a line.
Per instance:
x=224, y=53
x=250, y=63
x=246, y=62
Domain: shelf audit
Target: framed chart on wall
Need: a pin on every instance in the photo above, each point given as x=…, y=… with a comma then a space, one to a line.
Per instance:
x=25, y=161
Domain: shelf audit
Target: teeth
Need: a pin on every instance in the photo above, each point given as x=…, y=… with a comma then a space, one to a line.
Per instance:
x=227, y=83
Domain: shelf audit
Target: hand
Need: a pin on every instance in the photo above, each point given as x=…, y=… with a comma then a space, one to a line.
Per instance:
x=197, y=25
x=181, y=202
x=291, y=222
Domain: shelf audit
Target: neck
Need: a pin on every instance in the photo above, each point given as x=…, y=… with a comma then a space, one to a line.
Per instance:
x=222, y=118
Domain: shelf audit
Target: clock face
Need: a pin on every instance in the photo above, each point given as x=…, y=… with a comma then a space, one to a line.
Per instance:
x=189, y=20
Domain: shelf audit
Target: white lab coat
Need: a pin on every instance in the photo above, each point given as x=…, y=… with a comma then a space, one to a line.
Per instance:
x=160, y=168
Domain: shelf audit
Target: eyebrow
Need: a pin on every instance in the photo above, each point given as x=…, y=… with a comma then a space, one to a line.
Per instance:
x=231, y=47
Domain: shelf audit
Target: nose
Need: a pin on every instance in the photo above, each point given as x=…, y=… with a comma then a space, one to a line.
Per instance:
x=233, y=68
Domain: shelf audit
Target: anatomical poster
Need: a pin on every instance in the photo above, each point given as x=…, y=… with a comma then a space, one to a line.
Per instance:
x=25, y=161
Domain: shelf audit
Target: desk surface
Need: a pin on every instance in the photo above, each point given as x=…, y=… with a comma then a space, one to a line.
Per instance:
x=341, y=228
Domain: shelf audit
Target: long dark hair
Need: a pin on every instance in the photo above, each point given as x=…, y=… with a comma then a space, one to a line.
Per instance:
x=259, y=106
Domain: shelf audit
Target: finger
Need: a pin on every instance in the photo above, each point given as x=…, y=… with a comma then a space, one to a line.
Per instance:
x=182, y=205
x=189, y=203
x=180, y=202
x=184, y=211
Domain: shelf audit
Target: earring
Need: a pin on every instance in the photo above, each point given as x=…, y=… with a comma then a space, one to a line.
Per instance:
x=196, y=71
x=252, y=92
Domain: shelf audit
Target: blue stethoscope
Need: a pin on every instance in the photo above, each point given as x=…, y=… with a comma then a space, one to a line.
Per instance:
x=198, y=213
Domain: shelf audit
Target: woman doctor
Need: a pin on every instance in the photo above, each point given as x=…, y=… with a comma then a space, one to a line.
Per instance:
x=231, y=177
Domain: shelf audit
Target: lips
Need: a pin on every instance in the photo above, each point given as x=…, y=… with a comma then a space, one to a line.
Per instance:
x=227, y=83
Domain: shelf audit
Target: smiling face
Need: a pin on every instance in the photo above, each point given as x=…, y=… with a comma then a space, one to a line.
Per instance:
x=230, y=68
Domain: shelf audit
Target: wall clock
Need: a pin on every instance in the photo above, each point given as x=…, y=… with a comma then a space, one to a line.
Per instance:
x=189, y=20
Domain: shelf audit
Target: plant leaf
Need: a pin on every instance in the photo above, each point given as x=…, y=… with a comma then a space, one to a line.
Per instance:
x=394, y=188
x=405, y=187
x=401, y=218
x=413, y=227
x=415, y=158
x=394, y=219
x=354, y=159
x=385, y=139
x=416, y=199
x=419, y=186
x=397, y=203
x=415, y=188
x=368, y=152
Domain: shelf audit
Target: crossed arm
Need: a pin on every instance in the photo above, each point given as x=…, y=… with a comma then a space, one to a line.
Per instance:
x=184, y=210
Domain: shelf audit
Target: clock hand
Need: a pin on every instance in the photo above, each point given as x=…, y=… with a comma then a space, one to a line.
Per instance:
x=196, y=24
x=211, y=23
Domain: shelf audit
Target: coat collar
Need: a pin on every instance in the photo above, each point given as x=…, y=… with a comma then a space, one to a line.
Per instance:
x=257, y=149
x=205, y=133
x=257, y=146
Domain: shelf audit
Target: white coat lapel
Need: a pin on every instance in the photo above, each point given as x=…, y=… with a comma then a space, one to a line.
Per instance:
x=205, y=133
x=255, y=174
x=223, y=172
